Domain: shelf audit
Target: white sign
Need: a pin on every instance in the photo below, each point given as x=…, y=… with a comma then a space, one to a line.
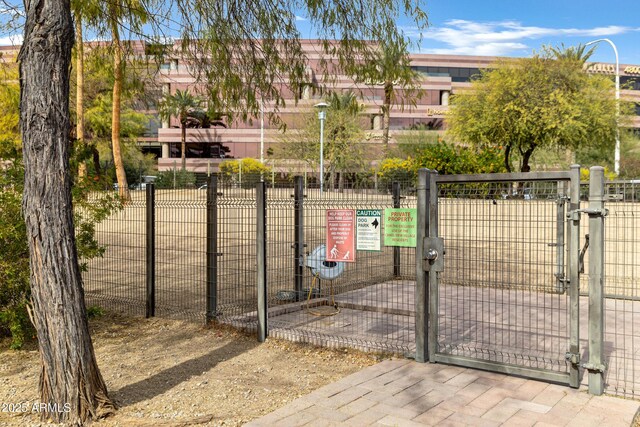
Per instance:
x=368, y=229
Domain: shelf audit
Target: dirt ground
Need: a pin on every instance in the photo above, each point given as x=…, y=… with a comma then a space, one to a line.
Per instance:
x=173, y=373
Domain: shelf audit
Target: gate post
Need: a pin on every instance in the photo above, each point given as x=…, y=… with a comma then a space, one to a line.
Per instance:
x=298, y=203
x=261, y=259
x=212, y=248
x=422, y=283
x=596, y=213
x=573, y=255
x=395, y=186
x=151, y=250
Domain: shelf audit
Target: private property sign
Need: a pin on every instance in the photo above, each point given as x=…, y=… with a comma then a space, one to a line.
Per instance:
x=368, y=227
x=341, y=235
x=400, y=227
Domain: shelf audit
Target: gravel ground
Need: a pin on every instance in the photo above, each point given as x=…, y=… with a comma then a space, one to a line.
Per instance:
x=172, y=373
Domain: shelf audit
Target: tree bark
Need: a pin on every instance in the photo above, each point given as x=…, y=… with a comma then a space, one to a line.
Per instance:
x=526, y=157
x=118, y=76
x=69, y=374
x=386, y=115
x=507, y=158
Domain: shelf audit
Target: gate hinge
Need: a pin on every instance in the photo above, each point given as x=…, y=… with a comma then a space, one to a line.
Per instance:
x=594, y=367
x=575, y=214
x=572, y=358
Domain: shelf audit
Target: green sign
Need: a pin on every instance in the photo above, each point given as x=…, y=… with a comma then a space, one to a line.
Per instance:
x=400, y=227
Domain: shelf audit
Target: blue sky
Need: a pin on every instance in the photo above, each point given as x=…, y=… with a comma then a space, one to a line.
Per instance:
x=517, y=27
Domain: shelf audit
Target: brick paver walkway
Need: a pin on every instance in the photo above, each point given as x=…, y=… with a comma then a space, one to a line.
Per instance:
x=406, y=393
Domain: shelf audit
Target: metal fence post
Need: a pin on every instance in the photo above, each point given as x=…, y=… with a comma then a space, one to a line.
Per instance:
x=212, y=248
x=298, y=246
x=395, y=187
x=433, y=289
x=596, y=280
x=151, y=250
x=573, y=256
x=421, y=275
x=261, y=259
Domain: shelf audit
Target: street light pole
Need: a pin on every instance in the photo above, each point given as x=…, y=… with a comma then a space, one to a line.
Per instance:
x=322, y=114
x=616, y=159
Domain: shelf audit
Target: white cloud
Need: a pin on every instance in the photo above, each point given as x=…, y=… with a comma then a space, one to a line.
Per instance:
x=301, y=18
x=500, y=38
x=15, y=40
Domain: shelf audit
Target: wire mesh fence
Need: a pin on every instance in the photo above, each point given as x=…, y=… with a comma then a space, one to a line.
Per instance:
x=117, y=279
x=502, y=288
x=621, y=286
x=368, y=306
x=193, y=279
x=500, y=296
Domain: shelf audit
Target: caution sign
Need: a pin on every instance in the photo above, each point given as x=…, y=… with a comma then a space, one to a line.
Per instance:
x=341, y=235
x=368, y=230
x=400, y=226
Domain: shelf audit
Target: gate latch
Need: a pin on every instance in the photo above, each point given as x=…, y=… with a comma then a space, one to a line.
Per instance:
x=572, y=358
x=433, y=254
x=574, y=215
x=591, y=367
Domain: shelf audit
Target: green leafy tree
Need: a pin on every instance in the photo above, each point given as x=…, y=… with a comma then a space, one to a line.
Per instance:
x=184, y=106
x=243, y=50
x=343, y=139
x=524, y=104
x=9, y=111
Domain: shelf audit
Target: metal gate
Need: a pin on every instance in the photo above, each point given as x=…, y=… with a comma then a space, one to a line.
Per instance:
x=500, y=273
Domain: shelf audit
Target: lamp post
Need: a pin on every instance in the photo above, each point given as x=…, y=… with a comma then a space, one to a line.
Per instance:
x=322, y=115
x=616, y=158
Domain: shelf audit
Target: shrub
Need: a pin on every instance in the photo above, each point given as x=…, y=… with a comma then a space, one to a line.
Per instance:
x=585, y=174
x=395, y=169
x=14, y=251
x=175, y=178
x=630, y=168
x=452, y=159
x=246, y=172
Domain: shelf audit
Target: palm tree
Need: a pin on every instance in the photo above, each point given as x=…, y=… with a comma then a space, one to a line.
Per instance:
x=184, y=106
x=391, y=68
x=82, y=9
x=578, y=53
x=347, y=102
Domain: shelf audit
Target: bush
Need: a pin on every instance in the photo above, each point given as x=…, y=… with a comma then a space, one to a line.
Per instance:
x=246, y=172
x=14, y=252
x=176, y=178
x=630, y=168
x=395, y=169
x=585, y=174
x=451, y=159
x=443, y=157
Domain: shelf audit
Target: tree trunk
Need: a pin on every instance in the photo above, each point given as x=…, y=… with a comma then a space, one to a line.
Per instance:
x=121, y=176
x=386, y=116
x=70, y=381
x=526, y=157
x=82, y=167
x=507, y=158
x=183, y=155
